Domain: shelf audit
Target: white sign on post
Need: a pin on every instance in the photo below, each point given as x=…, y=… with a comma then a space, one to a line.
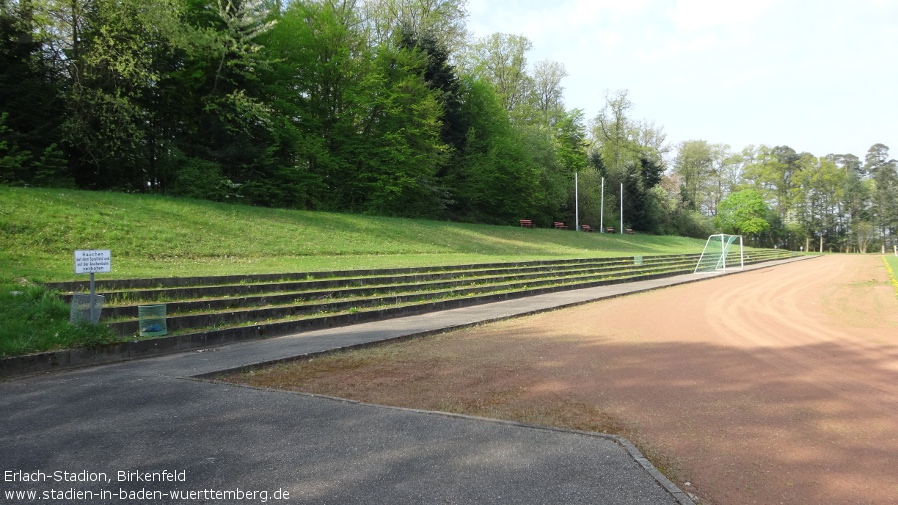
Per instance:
x=89, y=262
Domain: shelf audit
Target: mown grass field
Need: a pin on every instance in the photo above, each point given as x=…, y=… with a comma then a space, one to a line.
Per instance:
x=152, y=236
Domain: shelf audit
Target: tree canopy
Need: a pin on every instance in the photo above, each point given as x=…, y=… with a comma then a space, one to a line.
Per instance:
x=384, y=107
x=743, y=212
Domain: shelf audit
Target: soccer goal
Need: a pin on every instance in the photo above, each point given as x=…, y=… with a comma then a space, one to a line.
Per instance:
x=720, y=253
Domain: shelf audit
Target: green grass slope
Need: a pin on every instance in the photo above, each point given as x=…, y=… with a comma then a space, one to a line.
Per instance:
x=153, y=236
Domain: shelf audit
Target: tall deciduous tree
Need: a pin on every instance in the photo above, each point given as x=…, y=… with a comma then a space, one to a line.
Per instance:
x=442, y=21
x=322, y=60
x=501, y=60
x=694, y=165
x=744, y=212
x=613, y=135
x=548, y=93
x=629, y=153
x=401, y=137
x=498, y=180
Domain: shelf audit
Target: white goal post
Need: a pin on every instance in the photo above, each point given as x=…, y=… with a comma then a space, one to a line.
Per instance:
x=720, y=253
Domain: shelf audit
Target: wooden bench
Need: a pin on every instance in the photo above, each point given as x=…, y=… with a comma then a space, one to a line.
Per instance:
x=560, y=225
x=609, y=230
x=586, y=227
x=526, y=223
x=630, y=232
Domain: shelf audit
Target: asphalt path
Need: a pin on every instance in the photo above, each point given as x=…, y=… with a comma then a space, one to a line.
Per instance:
x=151, y=431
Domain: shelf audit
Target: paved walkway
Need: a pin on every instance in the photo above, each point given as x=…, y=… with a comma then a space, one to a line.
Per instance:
x=110, y=433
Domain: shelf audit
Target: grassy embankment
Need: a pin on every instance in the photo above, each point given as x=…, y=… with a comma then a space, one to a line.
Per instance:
x=151, y=236
x=157, y=236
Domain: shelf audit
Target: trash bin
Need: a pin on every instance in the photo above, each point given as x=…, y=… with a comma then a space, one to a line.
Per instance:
x=151, y=320
x=81, y=308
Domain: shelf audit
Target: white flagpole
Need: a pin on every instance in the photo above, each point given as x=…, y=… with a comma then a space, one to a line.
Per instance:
x=576, y=203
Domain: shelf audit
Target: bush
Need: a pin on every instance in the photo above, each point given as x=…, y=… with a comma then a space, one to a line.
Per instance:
x=693, y=224
x=201, y=179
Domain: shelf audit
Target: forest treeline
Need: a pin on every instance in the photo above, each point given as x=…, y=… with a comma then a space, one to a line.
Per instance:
x=384, y=107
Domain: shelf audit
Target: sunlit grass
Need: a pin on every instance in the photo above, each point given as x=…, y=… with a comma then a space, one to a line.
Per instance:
x=153, y=236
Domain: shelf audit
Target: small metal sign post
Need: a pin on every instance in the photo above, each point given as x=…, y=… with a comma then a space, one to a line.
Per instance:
x=91, y=262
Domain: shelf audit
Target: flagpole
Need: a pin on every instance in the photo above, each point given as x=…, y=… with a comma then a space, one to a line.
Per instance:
x=576, y=203
x=622, y=208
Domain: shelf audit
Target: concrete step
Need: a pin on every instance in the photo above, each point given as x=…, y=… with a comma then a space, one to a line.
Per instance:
x=112, y=285
x=180, y=320
x=271, y=301
x=289, y=292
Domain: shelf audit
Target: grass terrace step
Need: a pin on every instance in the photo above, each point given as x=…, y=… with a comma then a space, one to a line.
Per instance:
x=154, y=289
x=201, y=304
x=154, y=284
x=406, y=294
x=272, y=327
x=229, y=296
x=340, y=288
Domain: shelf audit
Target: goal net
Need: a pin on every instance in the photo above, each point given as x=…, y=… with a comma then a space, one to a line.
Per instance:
x=721, y=252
